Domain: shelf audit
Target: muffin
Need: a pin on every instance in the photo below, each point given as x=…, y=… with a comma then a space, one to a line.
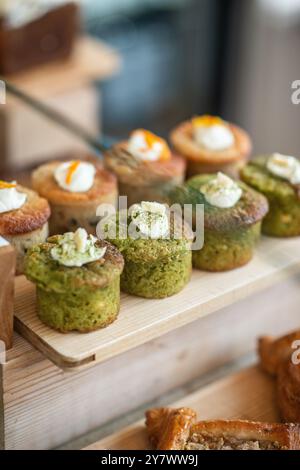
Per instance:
x=278, y=178
x=156, y=246
x=78, y=281
x=23, y=219
x=74, y=190
x=210, y=144
x=232, y=220
x=157, y=169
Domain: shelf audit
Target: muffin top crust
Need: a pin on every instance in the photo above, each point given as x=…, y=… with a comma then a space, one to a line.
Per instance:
x=250, y=208
x=34, y=213
x=184, y=143
x=257, y=175
x=44, y=183
x=145, y=172
x=146, y=249
x=43, y=270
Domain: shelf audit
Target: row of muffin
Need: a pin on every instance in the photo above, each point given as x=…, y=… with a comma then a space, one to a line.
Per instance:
x=78, y=276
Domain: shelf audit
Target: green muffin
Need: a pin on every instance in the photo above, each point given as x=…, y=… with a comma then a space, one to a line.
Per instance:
x=158, y=262
x=230, y=232
x=283, y=218
x=80, y=294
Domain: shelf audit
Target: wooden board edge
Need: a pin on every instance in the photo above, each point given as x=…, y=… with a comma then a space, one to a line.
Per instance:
x=108, y=351
x=2, y=417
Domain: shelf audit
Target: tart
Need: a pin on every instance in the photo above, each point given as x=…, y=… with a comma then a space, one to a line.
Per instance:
x=78, y=281
x=280, y=357
x=278, y=178
x=210, y=144
x=232, y=220
x=23, y=219
x=177, y=429
x=74, y=190
x=156, y=246
x=157, y=169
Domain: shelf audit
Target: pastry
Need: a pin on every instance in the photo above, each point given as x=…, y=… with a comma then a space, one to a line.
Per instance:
x=74, y=190
x=157, y=170
x=232, y=220
x=78, y=281
x=278, y=178
x=176, y=429
x=280, y=358
x=210, y=144
x=23, y=219
x=156, y=246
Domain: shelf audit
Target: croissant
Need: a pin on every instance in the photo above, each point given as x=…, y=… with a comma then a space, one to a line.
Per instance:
x=177, y=429
x=276, y=359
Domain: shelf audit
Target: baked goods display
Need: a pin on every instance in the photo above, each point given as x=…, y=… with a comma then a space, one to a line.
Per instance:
x=156, y=246
x=280, y=358
x=23, y=218
x=210, y=144
x=232, y=220
x=278, y=178
x=177, y=429
x=158, y=169
x=74, y=190
x=78, y=281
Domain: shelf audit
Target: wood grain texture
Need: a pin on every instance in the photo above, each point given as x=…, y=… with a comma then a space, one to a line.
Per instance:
x=142, y=320
x=91, y=60
x=39, y=398
x=7, y=274
x=249, y=394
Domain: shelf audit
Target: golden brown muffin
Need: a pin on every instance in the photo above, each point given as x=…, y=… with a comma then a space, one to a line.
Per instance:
x=277, y=359
x=71, y=210
x=176, y=429
x=27, y=226
x=202, y=160
x=149, y=180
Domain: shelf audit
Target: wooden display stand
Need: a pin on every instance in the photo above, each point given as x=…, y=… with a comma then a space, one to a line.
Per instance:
x=25, y=137
x=7, y=274
x=39, y=398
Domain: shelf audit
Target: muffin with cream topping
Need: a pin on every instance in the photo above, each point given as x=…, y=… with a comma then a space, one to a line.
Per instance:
x=78, y=281
x=278, y=178
x=157, y=169
x=210, y=144
x=74, y=190
x=232, y=220
x=23, y=219
x=156, y=246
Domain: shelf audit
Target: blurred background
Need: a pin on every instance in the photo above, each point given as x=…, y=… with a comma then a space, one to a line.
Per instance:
x=158, y=62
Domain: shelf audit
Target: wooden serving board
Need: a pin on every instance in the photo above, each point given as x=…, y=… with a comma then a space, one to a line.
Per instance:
x=142, y=320
x=249, y=394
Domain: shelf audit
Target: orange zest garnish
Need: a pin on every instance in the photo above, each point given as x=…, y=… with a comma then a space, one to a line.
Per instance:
x=71, y=170
x=206, y=121
x=4, y=185
x=151, y=139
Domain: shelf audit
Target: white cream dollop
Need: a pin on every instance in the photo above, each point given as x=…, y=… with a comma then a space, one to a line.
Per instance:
x=10, y=198
x=146, y=146
x=222, y=191
x=216, y=137
x=77, y=249
x=74, y=176
x=151, y=219
x=285, y=167
x=3, y=242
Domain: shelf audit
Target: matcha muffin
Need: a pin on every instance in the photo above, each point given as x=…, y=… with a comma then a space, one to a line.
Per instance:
x=78, y=281
x=156, y=246
x=232, y=220
x=278, y=178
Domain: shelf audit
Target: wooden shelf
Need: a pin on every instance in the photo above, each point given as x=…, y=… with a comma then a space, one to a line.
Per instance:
x=91, y=60
x=142, y=320
x=228, y=398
